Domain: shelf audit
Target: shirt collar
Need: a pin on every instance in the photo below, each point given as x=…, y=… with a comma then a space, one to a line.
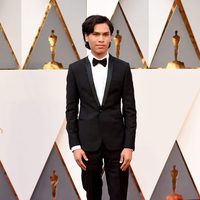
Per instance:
x=91, y=56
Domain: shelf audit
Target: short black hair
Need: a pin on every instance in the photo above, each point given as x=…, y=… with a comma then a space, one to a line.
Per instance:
x=91, y=21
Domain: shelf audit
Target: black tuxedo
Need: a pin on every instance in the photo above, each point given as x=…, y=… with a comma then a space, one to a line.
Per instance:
x=101, y=123
x=101, y=130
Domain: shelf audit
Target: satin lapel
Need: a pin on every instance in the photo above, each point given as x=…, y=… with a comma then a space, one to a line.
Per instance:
x=109, y=77
x=91, y=81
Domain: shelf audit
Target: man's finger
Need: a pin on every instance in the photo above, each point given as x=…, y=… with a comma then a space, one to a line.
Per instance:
x=122, y=166
x=85, y=157
x=125, y=165
x=81, y=164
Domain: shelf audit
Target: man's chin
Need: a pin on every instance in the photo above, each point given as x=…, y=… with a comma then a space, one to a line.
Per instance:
x=101, y=51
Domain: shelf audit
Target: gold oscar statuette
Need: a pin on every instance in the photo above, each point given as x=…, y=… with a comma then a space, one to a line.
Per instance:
x=174, y=195
x=176, y=64
x=53, y=64
x=117, y=40
x=54, y=183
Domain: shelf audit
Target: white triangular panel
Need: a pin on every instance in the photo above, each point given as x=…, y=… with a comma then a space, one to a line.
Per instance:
x=136, y=12
x=74, y=24
x=163, y=98
x=31, y=113
x=32, y=14
x=189, y=140
x=10, y=18
x=165, y=51
x=101, y=7
x=158, y=14
x=192, y=11
x=67, y=155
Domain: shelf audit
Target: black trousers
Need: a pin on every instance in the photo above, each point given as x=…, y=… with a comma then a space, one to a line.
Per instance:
x=117, y=180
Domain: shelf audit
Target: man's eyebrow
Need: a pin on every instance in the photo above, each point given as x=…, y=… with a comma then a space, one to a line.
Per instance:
x=107, y=32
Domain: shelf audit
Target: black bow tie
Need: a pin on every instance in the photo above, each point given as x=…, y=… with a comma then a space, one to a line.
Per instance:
x=102, y=62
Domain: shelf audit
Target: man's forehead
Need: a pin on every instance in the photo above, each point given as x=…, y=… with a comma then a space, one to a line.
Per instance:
x=101, y=28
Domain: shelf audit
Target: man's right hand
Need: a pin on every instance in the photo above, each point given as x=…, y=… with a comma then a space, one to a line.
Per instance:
x=78, y=155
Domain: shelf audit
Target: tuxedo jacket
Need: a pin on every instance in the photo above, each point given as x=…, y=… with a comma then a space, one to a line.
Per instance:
x=90, y=123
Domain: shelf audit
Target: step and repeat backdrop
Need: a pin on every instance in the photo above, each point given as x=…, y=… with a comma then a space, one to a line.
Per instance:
x=38, y=41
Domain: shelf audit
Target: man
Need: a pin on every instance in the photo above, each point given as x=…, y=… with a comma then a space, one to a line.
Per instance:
x=100, y=130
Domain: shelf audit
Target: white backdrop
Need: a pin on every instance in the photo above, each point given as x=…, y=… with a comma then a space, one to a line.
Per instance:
x=32, y=103
x=32, y=116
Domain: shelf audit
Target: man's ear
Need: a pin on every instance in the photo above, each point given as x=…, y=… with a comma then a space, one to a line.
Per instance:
x=86, y=37
x=86, y=41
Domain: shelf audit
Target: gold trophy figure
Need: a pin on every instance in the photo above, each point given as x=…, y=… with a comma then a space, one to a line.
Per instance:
x=174, y=195
x=52, y=41
x=175, y=41
x=54, y=183
x=117, y=41
x=176, y=64
x=174, y=174
x=53, y=64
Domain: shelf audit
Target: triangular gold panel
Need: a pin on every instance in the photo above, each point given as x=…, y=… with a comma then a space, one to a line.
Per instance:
x=129, y=49
x=184, y=182
x=65, y=51
x=188, y=25
x=165, y=50
x=65, y=188
x=191, y=9
x=6, y=189
x=8, y=59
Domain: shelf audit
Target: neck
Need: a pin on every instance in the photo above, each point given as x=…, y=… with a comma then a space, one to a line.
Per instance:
x=99, y=56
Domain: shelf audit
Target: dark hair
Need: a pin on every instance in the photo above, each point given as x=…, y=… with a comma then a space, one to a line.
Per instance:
x=91, y=21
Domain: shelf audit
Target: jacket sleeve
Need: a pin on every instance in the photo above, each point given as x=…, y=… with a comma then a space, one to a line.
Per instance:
x=72, y=101
x=129, y=110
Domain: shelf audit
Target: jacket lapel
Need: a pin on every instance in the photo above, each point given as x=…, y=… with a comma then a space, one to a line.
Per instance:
x=109, y=77
x=91, y=81
x=108, y=81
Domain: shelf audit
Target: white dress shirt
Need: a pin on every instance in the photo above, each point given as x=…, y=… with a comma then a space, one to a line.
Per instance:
x=99, y=73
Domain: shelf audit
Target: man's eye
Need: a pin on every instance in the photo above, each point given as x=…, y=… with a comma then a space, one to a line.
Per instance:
x=106, y=34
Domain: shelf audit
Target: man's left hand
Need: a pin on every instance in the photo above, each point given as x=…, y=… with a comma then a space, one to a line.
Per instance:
x=125, y=158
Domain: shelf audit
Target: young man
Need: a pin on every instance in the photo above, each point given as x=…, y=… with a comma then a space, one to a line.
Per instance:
x=100, y=131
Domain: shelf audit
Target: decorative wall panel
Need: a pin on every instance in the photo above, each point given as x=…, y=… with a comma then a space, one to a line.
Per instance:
x=188, y=139
x=7, y=56
x=32, y=102
x=6, y=189
x=127, y=43
x=184, y=183
x=65, y=51
x=62, y=185
x=165, y=50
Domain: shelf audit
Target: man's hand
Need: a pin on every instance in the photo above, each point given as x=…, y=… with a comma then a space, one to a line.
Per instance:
x=78, y=155
x=125, y=158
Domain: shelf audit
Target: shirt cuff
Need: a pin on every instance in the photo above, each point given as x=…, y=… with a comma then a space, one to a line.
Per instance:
x=75, y=147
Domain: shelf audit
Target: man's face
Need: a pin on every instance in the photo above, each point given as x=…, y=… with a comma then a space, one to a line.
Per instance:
x=99, y=40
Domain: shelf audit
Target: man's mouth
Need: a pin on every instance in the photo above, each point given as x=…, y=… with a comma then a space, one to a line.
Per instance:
x=100, y=46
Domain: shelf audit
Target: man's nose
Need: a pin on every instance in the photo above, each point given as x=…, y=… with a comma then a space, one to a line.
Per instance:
x=101, y=38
